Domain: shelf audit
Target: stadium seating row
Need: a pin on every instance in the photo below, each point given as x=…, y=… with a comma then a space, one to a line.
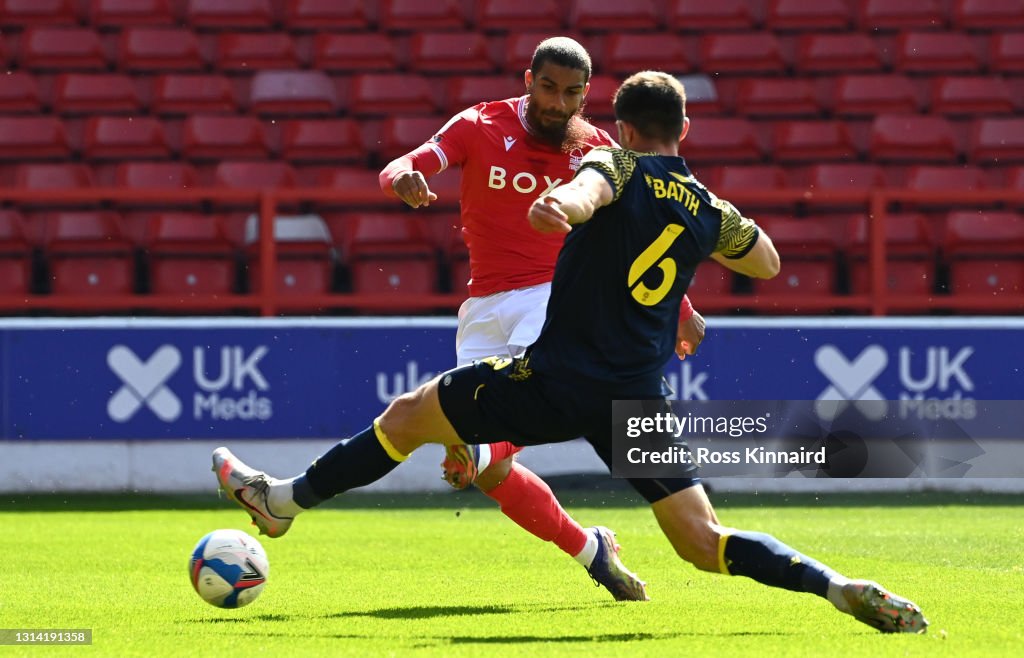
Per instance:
x=258, y=175
x=596, y=15
x=156, y=49
x=104, y=252
x=313, y=93
x=888, y=138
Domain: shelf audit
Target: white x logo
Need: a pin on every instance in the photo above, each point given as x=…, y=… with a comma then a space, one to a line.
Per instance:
x=851, y=380
x=144, y=383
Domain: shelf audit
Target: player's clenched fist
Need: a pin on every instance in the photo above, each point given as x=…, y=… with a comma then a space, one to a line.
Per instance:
x=411, y=187
x=546, y=217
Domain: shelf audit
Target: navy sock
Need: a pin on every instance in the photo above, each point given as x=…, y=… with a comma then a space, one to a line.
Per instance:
x=767, y=560
x=352, y=463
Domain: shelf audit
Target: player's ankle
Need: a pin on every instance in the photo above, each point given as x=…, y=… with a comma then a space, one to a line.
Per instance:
x=282, y=499
x=835, y=593
x=589, y=552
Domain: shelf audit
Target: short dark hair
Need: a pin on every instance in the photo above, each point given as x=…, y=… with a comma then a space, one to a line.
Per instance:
x=562, y=51
x=654, y=103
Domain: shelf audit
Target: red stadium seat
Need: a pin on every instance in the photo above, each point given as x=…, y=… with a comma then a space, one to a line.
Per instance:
x=62, y=49
x=723, y=140
x=392, y=94
x=19, y=93
x=119, y=13
x=984, y=252
x=502, y=15
x=1007, y=52
x=936, y=52
x=838, y=53
x=600, y=15
x=124, y=137
x=755, y=177
x=250, y=52
x=846, y=176
x=33, y=138
x=988, y=14
x=808, y=249
x=945, y=178
x=710, y=281
x=905, y=138
x=156, y=175
x=901, y=14
x=326, y=15
x=53, y=176
x=784, y=97
x=146, y=49
x=599, y=99
x=186, y=93
x=293, y=93
x=813, y=141
x=701, y=16
x=802, y=15
x=230, y=14
x=254, y=175
x=444, y=52
x=399, y=135
x=189, y=253
x=1015, y=179
x=387, y=254
x=910, y=250
x=333, y=140
x=87, y=253
x=757, y=52
x=997, y=140
x=973, y=95
x=15, y=261
x=105, y=93
x=220, y=137
x=467, y=91
x=22, y=13
x=415, y=15
x=305, y=255
x=628, y=53
x=371, y=51
x=870, y=95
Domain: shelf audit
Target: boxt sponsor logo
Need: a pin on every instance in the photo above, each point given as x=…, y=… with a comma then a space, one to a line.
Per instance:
x=227, y=384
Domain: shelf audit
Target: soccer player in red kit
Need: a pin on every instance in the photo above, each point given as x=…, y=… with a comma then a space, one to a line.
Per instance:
x=511, y=151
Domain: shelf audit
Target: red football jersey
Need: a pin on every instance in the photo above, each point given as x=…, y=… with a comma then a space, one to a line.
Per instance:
x=504, y=168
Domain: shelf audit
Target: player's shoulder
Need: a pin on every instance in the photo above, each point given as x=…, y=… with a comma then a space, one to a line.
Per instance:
x=594, y=136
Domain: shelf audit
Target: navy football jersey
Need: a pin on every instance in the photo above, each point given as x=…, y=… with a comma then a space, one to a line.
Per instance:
x=621, y=276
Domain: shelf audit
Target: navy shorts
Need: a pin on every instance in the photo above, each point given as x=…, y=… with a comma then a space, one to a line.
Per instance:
x=502, y=399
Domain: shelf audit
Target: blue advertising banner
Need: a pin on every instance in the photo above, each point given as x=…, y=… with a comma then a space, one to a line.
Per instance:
x=327, y=378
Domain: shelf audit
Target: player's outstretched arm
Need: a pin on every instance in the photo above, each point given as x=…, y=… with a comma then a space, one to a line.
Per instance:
x=742, y=246
x=572, y=203
x=403, y=177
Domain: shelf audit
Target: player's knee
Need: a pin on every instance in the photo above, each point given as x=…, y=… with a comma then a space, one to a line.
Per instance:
x=398, y=423
x=494, y=474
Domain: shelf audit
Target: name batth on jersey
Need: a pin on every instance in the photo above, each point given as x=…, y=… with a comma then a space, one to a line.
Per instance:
x=504, y=168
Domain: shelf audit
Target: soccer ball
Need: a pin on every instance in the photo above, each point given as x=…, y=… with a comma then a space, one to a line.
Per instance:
x=228, y=568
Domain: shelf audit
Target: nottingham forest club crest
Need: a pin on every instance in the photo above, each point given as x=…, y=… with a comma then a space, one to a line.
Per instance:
x=575, y=159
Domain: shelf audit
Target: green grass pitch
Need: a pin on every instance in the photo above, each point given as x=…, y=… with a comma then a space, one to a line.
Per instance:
x=448, y=575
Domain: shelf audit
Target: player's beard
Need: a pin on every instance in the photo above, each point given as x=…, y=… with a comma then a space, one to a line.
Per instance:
x=567, y=134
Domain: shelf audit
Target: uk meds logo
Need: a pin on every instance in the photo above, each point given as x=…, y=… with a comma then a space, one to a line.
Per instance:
x=851, y=381
x=144, y=383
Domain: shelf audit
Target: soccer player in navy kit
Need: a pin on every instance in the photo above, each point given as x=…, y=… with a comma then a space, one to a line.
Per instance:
x=638, y=224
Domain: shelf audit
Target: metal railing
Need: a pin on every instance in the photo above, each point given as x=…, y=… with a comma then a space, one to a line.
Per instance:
x=268, y=301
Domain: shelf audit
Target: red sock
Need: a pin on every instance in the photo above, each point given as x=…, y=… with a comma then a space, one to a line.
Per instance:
x=527, y=500
x=502, y=450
